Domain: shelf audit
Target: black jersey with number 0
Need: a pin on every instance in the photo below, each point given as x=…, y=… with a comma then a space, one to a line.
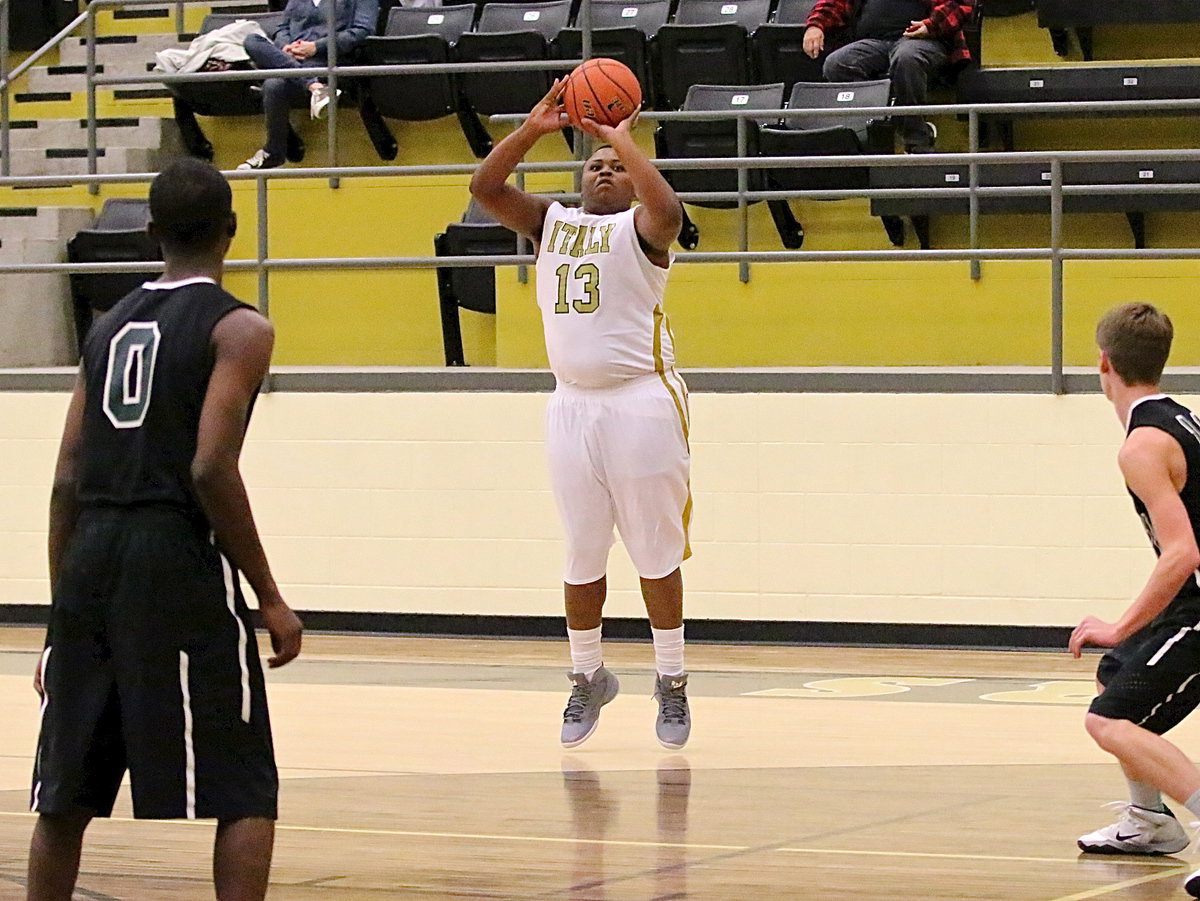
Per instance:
x=1161, y=412
x=147, y=363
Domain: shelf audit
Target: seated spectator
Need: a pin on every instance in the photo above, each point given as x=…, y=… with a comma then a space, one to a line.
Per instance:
x=905, y=40
x=303, y=41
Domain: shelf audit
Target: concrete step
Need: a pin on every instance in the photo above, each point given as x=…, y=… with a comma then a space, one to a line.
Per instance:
x=37, y=327
x=74, y=78
x=118, y=49
x=144, y=131
x=115, y=160
x=40, y=224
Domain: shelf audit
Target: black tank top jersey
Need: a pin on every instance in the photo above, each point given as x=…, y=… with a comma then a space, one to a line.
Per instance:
x=147, y=363
x=1161, y=412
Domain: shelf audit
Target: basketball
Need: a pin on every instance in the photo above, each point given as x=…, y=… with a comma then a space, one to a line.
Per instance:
x=602, y=89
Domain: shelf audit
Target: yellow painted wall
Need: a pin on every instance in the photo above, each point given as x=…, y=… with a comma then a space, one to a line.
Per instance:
x=796, y=314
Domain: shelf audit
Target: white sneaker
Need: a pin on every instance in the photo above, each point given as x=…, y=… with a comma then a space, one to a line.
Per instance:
x=320, y=100
x=1139, y=831
x=262, y=160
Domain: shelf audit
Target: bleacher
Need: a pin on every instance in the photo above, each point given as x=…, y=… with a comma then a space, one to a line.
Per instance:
x=443, y=119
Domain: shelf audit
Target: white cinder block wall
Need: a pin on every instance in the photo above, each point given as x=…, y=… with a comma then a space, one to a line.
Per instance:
x=991, y=509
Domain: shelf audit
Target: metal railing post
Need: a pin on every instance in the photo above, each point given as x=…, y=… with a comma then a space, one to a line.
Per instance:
x=973, y=180
x=90, y=31
x=1057, y=383
x=261, y=254
x=583, y=140
x=331, y=61
x=180, y=24
x=522, y=270
x=743, y=183
x=5, y=164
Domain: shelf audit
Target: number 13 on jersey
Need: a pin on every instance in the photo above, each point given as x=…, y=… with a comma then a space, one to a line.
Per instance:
x=589, y=275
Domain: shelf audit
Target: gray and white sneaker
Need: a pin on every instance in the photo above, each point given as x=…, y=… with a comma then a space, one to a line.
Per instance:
x=583, y=707
x=674, y=723
x=1139, y=831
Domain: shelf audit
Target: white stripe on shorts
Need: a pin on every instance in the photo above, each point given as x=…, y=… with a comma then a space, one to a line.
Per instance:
x=37, y=786
x=188, y=750
x=1158, y=655
x=230, y=599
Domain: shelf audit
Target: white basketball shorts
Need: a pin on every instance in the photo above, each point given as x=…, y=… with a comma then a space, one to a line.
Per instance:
x=619, y=456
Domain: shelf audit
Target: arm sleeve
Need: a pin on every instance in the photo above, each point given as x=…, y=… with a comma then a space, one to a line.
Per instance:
x=363, y=20
x=828, y=14
x=948, y=18
x=283, y=34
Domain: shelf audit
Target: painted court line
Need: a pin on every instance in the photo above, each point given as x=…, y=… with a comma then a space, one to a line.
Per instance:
x=1128, y=883
x=695, y=846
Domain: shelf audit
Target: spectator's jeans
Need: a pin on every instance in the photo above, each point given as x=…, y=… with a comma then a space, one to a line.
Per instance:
x=907, y=61
x=279, y=93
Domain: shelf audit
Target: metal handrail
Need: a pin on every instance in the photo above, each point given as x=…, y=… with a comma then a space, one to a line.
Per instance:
x=1055, y=191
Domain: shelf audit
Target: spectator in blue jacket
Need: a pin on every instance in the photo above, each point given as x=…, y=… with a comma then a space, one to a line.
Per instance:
x=302, y=40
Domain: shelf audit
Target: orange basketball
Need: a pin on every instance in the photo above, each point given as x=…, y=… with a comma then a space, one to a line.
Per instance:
x=602, y=89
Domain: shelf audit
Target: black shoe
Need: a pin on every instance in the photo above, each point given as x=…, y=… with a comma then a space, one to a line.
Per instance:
x=923, y=143
x=295, y=148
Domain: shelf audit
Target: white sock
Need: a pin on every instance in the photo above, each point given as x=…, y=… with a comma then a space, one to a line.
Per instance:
x=1193, y=804
x=668, y=651
x=1144, y=795
x=586, y=656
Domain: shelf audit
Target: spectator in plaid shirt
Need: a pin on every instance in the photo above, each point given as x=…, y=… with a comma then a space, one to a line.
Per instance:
x=906, y=40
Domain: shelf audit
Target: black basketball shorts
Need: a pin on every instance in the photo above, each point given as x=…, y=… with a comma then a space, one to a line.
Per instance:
x=1153, y=677
x=151, y=666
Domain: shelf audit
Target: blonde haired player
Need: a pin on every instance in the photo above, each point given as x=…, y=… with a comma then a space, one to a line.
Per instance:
x=616, y=427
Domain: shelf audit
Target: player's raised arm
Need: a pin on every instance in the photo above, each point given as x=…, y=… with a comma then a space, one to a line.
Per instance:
x=522, y=212
x=659, y=215
x=242, y=343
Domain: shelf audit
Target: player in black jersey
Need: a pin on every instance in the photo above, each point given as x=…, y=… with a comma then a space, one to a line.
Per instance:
x=1150, y=679
x=150, y=663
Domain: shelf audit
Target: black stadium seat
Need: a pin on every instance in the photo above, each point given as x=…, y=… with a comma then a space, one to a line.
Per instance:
x=417, y=35
x=1084, y=15
x=706, y=43
x=777, y=47
x=117, y=236
x=718, y=138
x=621, y=30
x=471, y=288
x=832, y=136
x=1125, y=81
x=508, y=32
x=928, y=201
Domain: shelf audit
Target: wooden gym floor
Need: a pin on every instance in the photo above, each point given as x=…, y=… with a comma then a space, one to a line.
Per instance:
x=430, y=769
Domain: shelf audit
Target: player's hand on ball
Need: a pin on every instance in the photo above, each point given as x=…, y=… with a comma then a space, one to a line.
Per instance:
x=285, y=630
x=607, y=132
x=1094, y=632
x=548, y=115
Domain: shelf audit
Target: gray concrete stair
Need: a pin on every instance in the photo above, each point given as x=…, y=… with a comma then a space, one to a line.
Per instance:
x=36, y=321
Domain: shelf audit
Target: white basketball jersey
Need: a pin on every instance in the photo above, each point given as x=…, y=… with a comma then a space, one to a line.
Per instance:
x=601, y=300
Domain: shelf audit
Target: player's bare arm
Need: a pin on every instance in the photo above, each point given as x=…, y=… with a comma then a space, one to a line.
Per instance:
x=1154, y=468
x=659, y=215
x=242, y=344
x=64, y=501
x=523, y=213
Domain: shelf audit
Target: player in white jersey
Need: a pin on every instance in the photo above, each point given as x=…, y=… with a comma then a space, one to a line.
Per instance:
x=616, y=428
